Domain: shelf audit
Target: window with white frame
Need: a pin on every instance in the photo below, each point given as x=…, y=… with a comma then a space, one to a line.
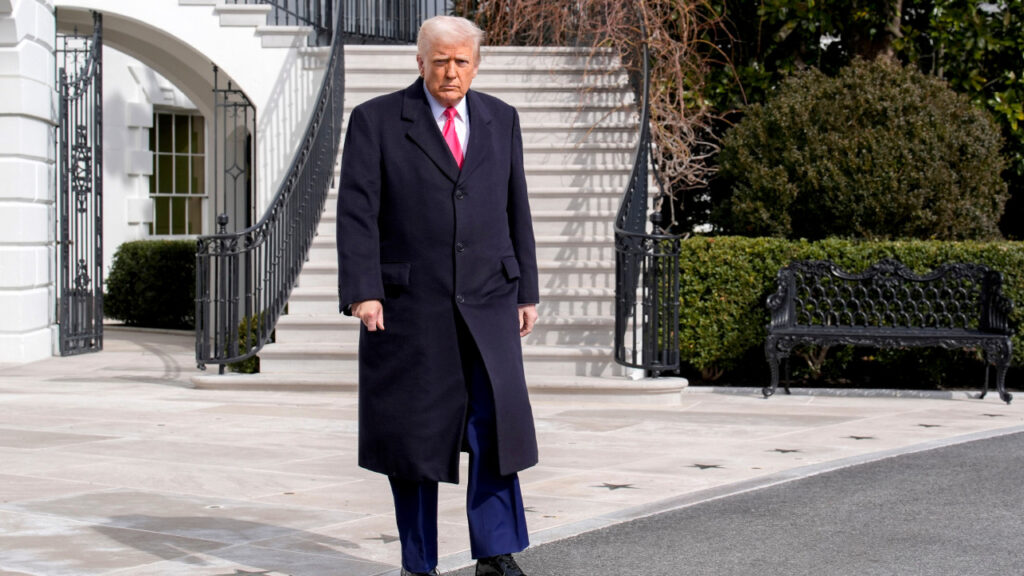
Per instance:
x=178, y=183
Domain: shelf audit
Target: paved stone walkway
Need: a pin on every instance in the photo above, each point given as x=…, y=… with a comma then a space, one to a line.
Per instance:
x=113, y=464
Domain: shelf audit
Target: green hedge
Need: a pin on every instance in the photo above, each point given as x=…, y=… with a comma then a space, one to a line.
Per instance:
x=725, y=280
x=152, y=283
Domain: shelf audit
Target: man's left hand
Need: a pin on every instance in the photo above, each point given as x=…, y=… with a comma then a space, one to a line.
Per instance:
x=527, y=318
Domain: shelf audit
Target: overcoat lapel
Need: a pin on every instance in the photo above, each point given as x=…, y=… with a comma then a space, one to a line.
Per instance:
x=480, y=149
x=423, y=130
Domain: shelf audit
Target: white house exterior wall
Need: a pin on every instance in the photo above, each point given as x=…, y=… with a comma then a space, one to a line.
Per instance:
x=130, y=91
x=27, y=118
x=182, y=41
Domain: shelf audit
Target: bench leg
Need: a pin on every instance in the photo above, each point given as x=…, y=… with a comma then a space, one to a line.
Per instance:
x=984, y=390
x=998, y=355
x=773, y=364
x=1001, y=383
x=772, y=355
x=785, y=381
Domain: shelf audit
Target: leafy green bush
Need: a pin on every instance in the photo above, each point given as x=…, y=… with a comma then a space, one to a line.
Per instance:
x=724, y=282
x=877, y=152
x=152, y=283
x=248, y=337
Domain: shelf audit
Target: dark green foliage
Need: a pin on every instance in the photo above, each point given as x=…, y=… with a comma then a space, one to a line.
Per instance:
x=248, y=337
x=724, y=282
x=878, y=151
x=976, y=47
x=152, y=283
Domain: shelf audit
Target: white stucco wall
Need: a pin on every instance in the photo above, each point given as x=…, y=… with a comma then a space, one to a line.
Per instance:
x=183, y=39
x=180, y=39
x=27, y=117
x=131, y=90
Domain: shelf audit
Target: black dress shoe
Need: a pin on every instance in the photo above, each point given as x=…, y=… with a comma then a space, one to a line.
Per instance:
x=431, y=573
x=502, y=565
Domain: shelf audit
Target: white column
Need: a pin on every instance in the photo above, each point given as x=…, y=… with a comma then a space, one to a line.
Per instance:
x=27, y=120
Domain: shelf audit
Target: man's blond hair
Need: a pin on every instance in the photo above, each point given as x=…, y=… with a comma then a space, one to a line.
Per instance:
x=448, y=29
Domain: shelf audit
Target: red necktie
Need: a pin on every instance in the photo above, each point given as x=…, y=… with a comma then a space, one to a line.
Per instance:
x=450, y=136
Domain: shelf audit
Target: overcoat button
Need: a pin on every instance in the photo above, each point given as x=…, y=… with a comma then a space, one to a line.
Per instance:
x=460, y=299
x=460, y=247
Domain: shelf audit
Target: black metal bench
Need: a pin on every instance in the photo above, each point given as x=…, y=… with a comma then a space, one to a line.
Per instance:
x=888, y=306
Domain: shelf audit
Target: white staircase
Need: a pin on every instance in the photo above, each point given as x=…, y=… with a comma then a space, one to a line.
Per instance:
x=579, y=130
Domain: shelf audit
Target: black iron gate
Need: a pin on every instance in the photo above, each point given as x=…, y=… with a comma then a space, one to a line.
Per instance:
x=80, y=190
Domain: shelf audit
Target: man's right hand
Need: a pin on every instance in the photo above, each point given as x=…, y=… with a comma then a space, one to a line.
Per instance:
x=370, y=313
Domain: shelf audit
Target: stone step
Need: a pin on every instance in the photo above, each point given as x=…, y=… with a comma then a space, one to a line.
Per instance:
x=553, y=274
x=573, y=223
x=340, y=359
x=599, y=176
x=598, y=198
x=316, y=304
x=401, y=74
x=315, y=57
x=252, y=15
x=545, y=222
x=540, y=113
x=573, y=248
x=380, y=57
x=284, y=36
x=565, y=388
x=514, y=94
x=554, y=247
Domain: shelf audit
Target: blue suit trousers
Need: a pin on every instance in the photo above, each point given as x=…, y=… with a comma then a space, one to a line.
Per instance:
x=494, y=503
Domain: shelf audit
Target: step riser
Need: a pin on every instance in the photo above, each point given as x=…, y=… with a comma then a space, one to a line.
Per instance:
x=576, y=228
x=326, y=254
x=571, y=140
x=582, y=118
x=346, y=367
x=403, y=75
x=571, y=177
x=581, y=201
x=571, y=336
x=579, y=159
x=603, y=279
x=562, y=253
x=561, y=306
x=574, y=135
x=519, y=97
x=556, y=252
x=491, y=59
x=546, y=335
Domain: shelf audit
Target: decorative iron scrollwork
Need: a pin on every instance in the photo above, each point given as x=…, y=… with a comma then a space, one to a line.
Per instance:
x=957, y=305
x=80, y=190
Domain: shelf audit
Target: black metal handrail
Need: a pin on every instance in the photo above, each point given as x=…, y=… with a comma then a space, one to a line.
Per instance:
x=646, y=265
x=244, y=279
x=318, y=14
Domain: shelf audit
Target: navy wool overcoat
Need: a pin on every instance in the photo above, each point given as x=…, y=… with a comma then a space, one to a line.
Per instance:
x=435, y=243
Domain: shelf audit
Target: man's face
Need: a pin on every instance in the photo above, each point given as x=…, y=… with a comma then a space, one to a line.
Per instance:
x=448, y=70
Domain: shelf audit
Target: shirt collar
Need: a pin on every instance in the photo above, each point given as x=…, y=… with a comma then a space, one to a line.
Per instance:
x=438, y=110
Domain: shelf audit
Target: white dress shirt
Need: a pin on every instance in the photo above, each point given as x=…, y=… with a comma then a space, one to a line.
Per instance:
x=461, y=118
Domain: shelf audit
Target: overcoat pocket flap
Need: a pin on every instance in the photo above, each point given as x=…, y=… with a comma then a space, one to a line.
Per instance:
x=395, y=273
x=511, y=267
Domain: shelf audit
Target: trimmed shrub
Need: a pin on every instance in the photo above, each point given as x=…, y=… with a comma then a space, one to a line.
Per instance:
x=878, y=152
x=152, y=283
x=724, y=282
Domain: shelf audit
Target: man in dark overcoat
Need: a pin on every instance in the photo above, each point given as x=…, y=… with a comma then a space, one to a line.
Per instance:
x=437, y=259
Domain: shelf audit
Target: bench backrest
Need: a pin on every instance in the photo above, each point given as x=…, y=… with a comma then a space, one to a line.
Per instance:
x=957, y=295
